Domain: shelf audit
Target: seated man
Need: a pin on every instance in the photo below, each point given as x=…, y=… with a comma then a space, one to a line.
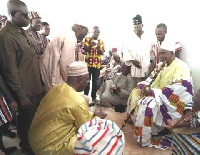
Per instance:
x=61, y=113
x=186, y=131
x=108, y=66
x=116, y=91
x=165, y=94
x=110, y=72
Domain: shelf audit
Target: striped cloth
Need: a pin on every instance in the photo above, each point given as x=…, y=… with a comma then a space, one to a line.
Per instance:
x=99, y=136
x=186, y=144
x=5, y=114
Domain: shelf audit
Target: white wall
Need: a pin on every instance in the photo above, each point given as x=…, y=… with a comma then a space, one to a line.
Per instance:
x=115, y=20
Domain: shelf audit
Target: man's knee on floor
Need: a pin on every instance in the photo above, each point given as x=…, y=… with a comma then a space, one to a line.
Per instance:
x=104, y=100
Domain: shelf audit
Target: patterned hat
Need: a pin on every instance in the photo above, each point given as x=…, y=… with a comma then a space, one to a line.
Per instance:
x=137, y=20
x=77, y=68
x=2, y=17
x=33, y=15
x=99, y=136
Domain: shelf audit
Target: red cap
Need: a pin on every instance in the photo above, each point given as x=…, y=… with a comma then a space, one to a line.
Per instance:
x=114, y=49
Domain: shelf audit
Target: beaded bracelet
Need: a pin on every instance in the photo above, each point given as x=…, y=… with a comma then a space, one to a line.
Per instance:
x=193, y=120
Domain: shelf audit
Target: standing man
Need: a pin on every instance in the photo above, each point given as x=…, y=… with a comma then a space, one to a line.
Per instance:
x=161, y=31
x=94, y=48
x=136, y=52
x=44, y=32
x=60, y=52
x=35, y=26
x=19, y=66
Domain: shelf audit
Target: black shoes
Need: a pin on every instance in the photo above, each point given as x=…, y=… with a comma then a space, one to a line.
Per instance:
x=9, y=150
x=10, y=134
x=120, y=108
x=27, y=150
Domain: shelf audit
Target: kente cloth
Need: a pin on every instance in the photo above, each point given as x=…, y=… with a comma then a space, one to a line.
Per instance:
x=93, y=57
x=99, y=136
x=57, y=120
x=137, y=49
x=5, y=114
x=172, y=92
x=44, y=40
x=59, y=53
x=37, y=42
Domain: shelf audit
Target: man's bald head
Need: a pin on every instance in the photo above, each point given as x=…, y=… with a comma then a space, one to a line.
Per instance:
x=18, y=12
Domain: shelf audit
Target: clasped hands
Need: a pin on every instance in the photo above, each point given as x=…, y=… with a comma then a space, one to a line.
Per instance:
x=115, y=87
x=100, y=114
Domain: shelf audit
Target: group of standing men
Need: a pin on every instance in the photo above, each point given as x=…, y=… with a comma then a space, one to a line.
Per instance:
x=19, y=66
x=29, y=72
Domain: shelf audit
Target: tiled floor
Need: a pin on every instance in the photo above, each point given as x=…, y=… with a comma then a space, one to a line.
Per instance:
x=131, y=147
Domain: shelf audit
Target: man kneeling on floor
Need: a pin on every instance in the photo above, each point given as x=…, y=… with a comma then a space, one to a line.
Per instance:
x=61, y=113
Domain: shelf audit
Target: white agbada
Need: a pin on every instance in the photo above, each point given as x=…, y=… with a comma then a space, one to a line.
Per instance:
x=137, y=49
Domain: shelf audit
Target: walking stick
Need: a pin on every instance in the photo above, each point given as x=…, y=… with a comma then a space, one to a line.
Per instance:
x=126, y=120
x=132, y=111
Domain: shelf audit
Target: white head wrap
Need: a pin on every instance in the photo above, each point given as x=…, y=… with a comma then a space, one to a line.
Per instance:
x=168, y=45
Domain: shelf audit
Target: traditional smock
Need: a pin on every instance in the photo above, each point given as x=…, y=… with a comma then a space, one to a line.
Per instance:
x=137, y=49
x=172, y=93
x=59, y=53
x=57, y=120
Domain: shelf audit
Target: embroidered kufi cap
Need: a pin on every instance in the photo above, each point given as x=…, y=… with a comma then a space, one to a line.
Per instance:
x=137, y=20
x=33, y=15
x=77, y=68
x=2, y=17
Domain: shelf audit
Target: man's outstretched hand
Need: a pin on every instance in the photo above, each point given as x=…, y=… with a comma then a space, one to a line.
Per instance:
x=100, y=114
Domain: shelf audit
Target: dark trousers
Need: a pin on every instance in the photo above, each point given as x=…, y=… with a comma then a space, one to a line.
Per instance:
x=94, y=72
x=3, y=129
x=24, y=120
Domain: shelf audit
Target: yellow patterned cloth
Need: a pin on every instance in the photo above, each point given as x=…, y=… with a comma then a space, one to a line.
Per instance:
x=93, y=57
x=57, y=120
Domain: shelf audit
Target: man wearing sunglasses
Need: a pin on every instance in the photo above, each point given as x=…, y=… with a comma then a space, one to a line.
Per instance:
x=19, y=68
